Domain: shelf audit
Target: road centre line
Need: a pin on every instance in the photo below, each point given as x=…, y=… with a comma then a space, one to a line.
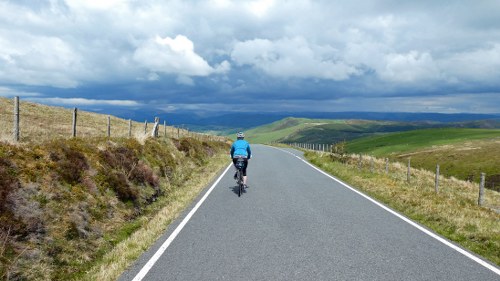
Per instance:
x=419, y=227
x=145, y=269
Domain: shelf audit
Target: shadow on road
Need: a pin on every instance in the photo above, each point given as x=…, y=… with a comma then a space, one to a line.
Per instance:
x=234, y=189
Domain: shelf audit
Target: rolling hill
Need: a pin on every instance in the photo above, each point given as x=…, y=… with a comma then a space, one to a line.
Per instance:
x=328, y=131
x=462, y=149
x=461, y=153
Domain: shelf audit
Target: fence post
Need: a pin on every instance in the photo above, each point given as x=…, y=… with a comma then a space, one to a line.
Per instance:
x=146, y=127
x=75, y=110
x=359, y=162
x=386, y=165
x=154, y=132
x=437, y=179
x=178, y=133
x=371, y=164
x=480, y=201
x=16, y=119
x=165, y=128
x=129, y=128
x=408, y=172
x=109, y=126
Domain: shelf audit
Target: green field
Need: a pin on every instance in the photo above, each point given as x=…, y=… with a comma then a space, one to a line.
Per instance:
x=328, y=131
x=303, y=130
x=462, y=153
x=388, y=144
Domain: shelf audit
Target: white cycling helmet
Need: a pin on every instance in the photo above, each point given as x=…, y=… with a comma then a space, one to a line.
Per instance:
x=240, y=135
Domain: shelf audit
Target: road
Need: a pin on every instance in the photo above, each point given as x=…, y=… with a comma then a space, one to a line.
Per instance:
x=295, y=223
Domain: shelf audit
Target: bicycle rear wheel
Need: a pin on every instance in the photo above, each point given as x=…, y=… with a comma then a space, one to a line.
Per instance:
x=240, y=183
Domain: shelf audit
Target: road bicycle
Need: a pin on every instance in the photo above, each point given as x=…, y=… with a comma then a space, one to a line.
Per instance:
x=240, y=163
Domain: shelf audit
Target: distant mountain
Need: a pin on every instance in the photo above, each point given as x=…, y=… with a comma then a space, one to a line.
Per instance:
x=231, y=122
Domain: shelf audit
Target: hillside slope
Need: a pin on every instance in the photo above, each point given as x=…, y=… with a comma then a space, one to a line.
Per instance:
x=66, y=202
x=328, y=131
x=462, y=153
x=40, y=122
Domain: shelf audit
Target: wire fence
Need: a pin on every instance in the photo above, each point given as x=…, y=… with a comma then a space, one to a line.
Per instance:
x=30, y=122
x=377, y=165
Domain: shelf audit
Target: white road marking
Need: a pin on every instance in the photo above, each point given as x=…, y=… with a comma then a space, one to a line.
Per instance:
x=433, y=235
x=174, y=234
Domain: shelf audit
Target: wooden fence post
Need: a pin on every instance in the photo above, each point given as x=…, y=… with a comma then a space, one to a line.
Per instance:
x=16, y=119
x=437, y=179
x=371, y=164
x=129, y=128
x=359, y=162
x=146, y=127
x=154, y=132
x=178, y=133
x=75, y=110
x=109, y=126
x=386, y=165
x=408, y=172
x=164, y=128
x=480, y=200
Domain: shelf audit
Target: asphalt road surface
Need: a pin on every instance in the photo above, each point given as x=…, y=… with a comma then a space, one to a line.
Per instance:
x=296, y=223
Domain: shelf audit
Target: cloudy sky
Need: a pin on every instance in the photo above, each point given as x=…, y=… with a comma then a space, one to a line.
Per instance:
x=263, y=55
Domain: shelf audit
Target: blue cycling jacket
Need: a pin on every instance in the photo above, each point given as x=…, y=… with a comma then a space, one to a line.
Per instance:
x=241, y=148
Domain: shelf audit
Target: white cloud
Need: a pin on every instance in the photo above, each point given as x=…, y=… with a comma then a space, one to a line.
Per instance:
x=39, y=60
x=223, y=67
x=8, y=92
x=419, y=44
x=259, y=7
x=184, y=80
x=153, y=76
x=293, y=58
x=175, y=56
x=84, y=101
x=477, y=65
x=410, y=67
x=97, y=4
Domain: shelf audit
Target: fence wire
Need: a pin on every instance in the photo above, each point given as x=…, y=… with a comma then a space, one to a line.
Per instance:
x=39, y=123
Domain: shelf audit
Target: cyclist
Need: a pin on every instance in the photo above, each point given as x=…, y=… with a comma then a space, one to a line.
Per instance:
x=241, y=148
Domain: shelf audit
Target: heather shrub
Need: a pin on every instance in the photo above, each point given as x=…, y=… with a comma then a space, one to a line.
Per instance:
x=70, y=163
x=64, y=203
x=119, y=158
x=118, y=182
x=8, y=181
x=143, y=174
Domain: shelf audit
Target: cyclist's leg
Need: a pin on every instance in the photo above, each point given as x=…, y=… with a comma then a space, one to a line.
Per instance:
x=235, y=169
x=245, y=172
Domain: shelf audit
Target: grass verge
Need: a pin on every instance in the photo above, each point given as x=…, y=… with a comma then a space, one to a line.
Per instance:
x=126, y=252
x=65, y=204
x=453, y=212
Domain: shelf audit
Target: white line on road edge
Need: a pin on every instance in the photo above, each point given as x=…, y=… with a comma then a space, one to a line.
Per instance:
x=174, y=234
x=433, y=235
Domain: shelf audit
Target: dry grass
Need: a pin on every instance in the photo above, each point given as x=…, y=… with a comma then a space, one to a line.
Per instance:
x=465, y=160
x=452, y=212
x=40, y=123
x=125, y=253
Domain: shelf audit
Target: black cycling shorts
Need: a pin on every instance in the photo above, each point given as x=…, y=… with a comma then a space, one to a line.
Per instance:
x=245, y=165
